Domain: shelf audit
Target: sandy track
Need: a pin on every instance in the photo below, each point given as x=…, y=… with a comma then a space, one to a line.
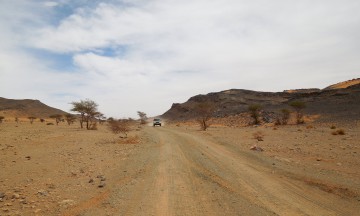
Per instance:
x=189, y=174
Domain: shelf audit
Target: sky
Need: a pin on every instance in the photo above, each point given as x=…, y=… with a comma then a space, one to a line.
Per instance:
x=144, y=55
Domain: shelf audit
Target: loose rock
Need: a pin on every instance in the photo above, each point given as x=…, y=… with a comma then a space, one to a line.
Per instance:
x=102, y=184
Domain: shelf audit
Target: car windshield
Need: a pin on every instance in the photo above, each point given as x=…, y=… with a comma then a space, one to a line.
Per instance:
x=156, y=119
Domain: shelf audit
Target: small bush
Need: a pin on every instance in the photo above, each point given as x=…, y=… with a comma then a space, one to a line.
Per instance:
x=121, y=126
x=259, y=136
x=50, y=123
x=254, y=110
x=93, y=126
x=277, y=122
x=309, y=127
x=338, y=132
x=341, y=132
x=333, y=127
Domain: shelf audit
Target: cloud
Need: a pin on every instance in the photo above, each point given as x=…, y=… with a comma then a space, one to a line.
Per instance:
x=129, y=53
x=51, y=4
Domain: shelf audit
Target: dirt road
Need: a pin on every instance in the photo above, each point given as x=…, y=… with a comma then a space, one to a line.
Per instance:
x=173, y=171
x=181, y=173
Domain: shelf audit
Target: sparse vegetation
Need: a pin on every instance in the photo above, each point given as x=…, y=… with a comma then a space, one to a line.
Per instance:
x=143, y=117
x=333, y=127
x=1, y=119
x=42, y=120
x=57, y=118
x=31, y=118
x=204, y=112
x=338, y=132
x=255, y=113
x=309, y=127
x=299, y=106
x=285, y=116
x=121, y=126
x=70, y=119
x=259, y=136
x=16, y=119
x=87, y=109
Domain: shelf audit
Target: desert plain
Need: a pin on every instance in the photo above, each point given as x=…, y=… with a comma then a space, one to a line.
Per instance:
x=178, y=169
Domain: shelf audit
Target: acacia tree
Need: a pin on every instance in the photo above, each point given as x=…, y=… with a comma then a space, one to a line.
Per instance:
x=57, y=118
x=87, y=109
x=143, y=117
x=204, y=112
x=70, y=118
x=255, y=112
x=299, y=106
x=31, y=118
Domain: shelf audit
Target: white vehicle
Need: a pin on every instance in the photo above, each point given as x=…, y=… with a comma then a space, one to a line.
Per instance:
x=157, y=122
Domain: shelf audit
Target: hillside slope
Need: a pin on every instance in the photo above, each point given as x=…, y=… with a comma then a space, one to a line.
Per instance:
x=342, y=103
x=26, y=108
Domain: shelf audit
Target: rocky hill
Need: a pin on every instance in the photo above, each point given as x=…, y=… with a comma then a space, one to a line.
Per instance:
x=344, y=84
x=337, y=101
x=26, y=108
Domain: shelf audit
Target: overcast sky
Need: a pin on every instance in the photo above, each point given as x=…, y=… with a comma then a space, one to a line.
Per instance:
x=130, y=55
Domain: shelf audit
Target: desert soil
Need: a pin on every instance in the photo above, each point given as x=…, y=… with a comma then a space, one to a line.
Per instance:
x=178, y=170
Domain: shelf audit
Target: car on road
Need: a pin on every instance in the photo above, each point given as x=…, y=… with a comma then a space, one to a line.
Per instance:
x=157, y=121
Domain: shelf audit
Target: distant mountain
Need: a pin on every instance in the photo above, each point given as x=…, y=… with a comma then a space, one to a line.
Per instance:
x=26, y=108
x=341, y=100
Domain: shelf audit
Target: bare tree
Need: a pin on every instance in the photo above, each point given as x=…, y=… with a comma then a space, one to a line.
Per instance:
x=254, y=110
x=31, y=118
x=204, y=112
x=70, y=118
x=299, y=106
x=57, y=118
x=87, y=109
x=121, y=126
x=143, y=117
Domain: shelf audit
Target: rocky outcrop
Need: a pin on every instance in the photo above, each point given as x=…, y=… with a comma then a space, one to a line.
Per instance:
x=329, y=103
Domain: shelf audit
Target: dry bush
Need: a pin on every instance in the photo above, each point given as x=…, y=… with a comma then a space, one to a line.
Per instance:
x=299, y=106
x=338, y=132
x=121, y=126
x=31, y=118
x=130, y=140
x=277, y=122
x=254, y=110
x=309, y=127
x=259, y=135
x=93, y=126
x=2, y=118
x=285, y=116
x=333, y=127
x=204, y=112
